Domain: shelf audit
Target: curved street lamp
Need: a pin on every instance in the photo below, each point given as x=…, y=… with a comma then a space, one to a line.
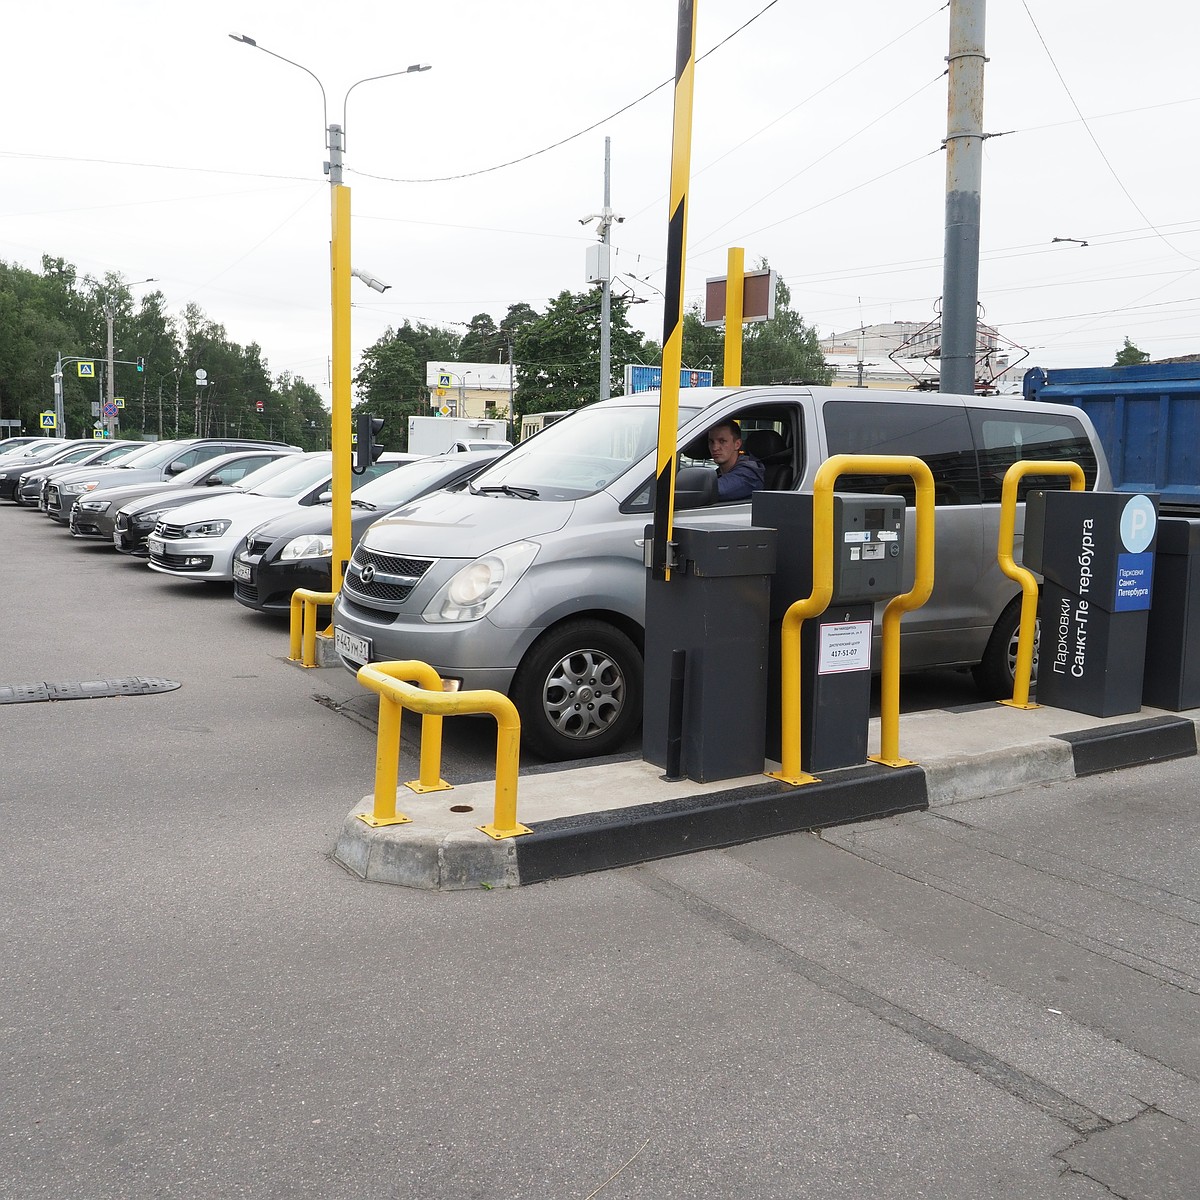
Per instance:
x=340, y=273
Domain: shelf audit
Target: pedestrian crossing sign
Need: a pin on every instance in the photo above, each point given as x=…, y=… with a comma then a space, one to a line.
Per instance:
x=48, y=420
x=87, y=370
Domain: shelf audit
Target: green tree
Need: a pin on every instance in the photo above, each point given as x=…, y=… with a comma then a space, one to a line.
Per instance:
x=703, y=346
x=558, y=353
x=1129, y=355
x=390, y=381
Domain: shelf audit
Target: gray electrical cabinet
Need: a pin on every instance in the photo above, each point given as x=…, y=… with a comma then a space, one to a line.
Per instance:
x=1095, y=552
x=708, y=624
x=836, y=646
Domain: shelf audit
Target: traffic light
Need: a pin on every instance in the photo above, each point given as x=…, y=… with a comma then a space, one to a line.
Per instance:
x=141, y=363
x=366, y=448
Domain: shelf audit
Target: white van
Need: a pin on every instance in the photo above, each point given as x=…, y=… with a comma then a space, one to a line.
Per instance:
x=530, y=581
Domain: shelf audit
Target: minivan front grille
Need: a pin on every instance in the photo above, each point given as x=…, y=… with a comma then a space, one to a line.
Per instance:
x=392, y=577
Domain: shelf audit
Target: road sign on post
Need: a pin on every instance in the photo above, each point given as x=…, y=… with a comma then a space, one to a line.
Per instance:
x=48, y=420
x=87, y=370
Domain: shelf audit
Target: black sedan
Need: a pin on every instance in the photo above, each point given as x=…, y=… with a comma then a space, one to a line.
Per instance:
x=295, y=550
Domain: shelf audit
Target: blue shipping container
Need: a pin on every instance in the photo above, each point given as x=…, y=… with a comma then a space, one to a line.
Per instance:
x=1148, y=419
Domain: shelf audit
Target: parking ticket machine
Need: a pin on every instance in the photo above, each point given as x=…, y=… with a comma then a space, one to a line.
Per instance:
x=836, y=646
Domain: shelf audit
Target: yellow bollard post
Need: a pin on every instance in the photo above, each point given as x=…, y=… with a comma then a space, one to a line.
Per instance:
x=387, y=767
x=508, y=750
x=1027, y=633
x=303, y=625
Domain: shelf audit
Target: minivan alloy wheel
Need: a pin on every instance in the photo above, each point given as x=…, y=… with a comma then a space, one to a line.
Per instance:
x=579, y=692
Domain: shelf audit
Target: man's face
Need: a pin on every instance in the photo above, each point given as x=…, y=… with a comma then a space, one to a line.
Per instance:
x=723, y=446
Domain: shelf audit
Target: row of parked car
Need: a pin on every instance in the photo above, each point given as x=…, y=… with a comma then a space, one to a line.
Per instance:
x=218, y=510
x=530, y=578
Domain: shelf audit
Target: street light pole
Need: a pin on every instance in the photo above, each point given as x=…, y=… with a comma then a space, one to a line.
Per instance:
x=339, y=273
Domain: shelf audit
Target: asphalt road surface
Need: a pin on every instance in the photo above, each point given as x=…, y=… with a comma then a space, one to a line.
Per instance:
x=993, y=1000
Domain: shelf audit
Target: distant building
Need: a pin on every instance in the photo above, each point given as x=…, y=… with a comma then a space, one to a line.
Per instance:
x=903, y=354
x=467, y=389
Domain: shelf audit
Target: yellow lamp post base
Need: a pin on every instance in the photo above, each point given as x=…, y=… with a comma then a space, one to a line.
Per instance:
x=378, y=822
x=500, y=834
x=1014, y=704
x=415, y=785
x=891, y=762
x=794, y=780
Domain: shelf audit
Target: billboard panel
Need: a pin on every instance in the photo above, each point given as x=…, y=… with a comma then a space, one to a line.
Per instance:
x=649, y=379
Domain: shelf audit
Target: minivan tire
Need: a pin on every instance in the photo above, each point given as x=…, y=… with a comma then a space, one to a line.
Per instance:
x=994, y=672
x=579, y=691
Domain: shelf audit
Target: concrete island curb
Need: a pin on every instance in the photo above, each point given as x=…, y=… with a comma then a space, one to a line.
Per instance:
x=595, y=818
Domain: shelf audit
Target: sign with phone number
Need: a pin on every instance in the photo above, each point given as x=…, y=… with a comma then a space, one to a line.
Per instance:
x=844, y=646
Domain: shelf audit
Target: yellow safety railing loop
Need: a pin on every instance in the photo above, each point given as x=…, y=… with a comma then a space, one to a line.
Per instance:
x=390, y=681
x=1023, y=671
x=818, y=601
x=303, y=648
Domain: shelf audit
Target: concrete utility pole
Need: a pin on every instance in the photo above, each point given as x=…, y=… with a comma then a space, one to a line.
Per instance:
x=964, y=176
x=600, y=270
x=110, y=379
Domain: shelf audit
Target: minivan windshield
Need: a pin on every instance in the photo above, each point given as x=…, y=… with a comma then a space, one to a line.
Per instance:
x=578, y=456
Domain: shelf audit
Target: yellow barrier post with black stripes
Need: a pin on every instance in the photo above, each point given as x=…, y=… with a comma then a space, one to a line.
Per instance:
x=1023, y=669
x=668, y=406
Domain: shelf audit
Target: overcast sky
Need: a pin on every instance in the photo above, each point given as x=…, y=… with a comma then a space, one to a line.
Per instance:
x=141, y=139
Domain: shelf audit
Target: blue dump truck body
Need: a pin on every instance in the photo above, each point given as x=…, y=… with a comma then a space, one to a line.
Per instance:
x=1148, y=418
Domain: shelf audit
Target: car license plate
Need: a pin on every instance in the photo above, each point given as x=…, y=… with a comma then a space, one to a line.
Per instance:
x=241, y=571
x=355, y=648
x=117, y=538
x=155, y=545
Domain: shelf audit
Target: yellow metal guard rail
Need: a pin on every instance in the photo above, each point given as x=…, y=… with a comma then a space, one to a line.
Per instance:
x=303, y=647
x=1023, y=670
x=818, y=602
x=389, y=681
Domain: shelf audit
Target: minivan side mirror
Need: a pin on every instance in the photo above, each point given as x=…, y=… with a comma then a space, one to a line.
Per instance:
x=695, y=487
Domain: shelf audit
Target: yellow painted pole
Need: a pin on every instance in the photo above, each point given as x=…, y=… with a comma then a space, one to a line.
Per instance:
x=789, y=639
x=340, y=283
x=668, y=408
x=735, y=282
x=889, y=683
x=1023, y=671
x=387, y=765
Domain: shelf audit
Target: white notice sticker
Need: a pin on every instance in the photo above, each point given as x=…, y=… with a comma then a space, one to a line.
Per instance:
x=844, y=646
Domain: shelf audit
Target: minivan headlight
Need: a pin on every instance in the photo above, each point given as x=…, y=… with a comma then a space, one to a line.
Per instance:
x=479, y=586
x=312, y=545
x=199, y=529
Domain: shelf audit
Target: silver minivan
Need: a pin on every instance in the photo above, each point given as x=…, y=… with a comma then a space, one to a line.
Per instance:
x=530, y=580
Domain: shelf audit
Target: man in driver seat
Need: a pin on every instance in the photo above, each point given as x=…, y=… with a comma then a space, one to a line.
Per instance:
x=738, y=474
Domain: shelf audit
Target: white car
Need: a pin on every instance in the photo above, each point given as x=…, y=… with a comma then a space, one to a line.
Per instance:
x=197, y=541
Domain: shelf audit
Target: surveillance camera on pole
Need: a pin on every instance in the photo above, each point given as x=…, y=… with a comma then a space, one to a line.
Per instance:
x=370, y=280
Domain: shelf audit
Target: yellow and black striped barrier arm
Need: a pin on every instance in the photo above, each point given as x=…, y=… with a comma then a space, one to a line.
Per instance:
x=668, y=411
